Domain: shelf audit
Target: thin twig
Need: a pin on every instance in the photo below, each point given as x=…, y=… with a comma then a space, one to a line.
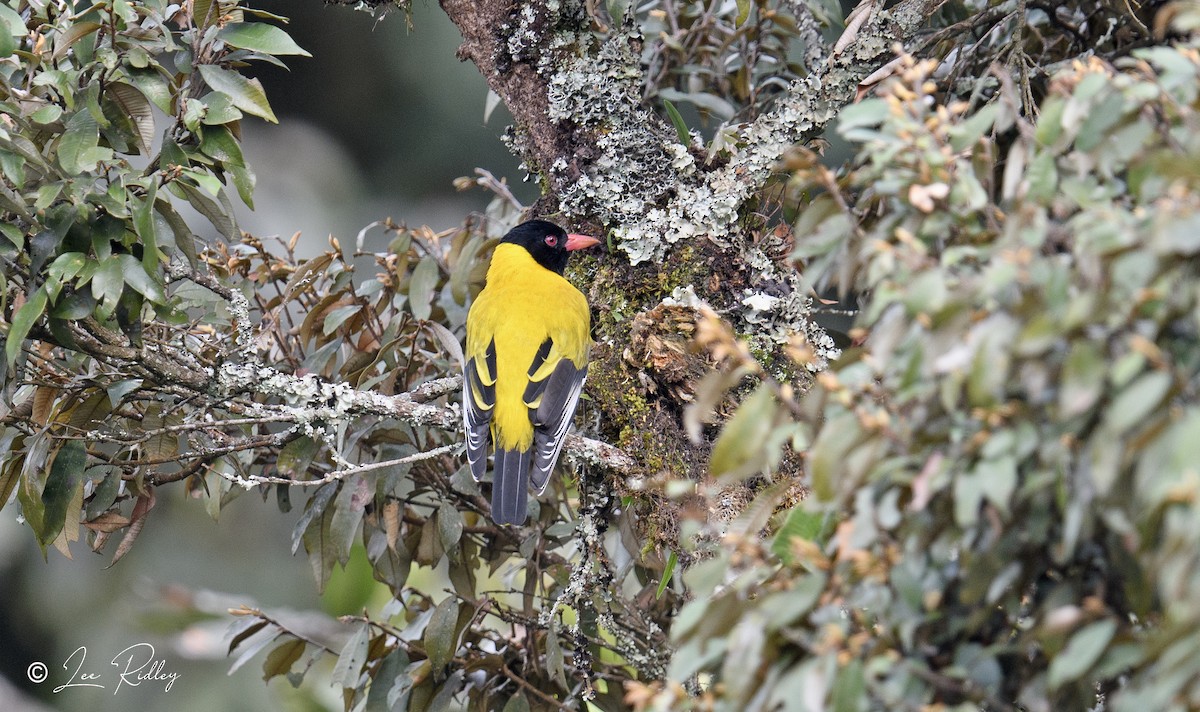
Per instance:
x=252, y=480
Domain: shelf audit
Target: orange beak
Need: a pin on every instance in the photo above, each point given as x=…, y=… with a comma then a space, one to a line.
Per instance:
x=579, y=242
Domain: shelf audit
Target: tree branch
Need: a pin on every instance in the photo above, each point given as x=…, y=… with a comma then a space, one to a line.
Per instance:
x=582, y=125
x=578, y=108
x=313, y=400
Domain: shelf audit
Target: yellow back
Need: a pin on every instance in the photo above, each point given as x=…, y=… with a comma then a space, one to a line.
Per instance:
x=521, y=306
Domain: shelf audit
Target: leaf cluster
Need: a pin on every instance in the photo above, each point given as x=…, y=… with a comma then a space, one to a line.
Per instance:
x=725, y=59
x=1003, y=507
x=112, y=116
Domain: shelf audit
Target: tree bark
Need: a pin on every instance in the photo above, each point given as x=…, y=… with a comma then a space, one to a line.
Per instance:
x=677, y=221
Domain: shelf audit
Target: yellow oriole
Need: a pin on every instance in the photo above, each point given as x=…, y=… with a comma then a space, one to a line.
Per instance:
x=528, y=335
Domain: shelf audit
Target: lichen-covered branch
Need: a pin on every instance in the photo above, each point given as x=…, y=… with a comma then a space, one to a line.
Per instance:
x=584, y=129
x=308, y=400
x=604, y=156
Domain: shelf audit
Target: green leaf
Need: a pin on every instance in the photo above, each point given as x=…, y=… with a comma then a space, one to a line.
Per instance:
x=450, y=526
x=849, y=690
x=337, y=317
x=1081, y=652
x=108, y=486
x=146, y=224
x=389, y=676
x=92, y=412
x=440, y=634
x=681, y=129
x=347, y=515
x=246, y=94
x=313, y=510
x=66, y=476
x=108, y=282
x=739, y=450
x=461, y=274
x=244, y=180
x=23, y=320
x=46, y=195
x=135, y=276
x=125, y=11
x=12, y=26
x=154, y=86
x=1082, y=378
x=1042, y=176
x=184, y=239
x=12, y=201
x=122, y=388
x=280, y=660
x=743, y=12
x=66, y=266
x=998, y=480
x=421, y=286
x=352, y=658
x=968, y=495
x=260, y=37
x=13, y=234
x=207, y=181
x=73, y=33
x=668, y=572
x=14, y=169
x=134, y=104
x=747, y=649
x=828, y=454
x=220, y=217
x=82, y=134
x=220, y=144
x=1137, y=401
x=866, y=113
x=968, y=133
x=800, y=524
x=617, y=10
x=32, y=481
x=555, y=662
x=220, y=110
x=702, y=100
x=47, y=114
x=206, y=13
x=789, y=606
x=295, y=457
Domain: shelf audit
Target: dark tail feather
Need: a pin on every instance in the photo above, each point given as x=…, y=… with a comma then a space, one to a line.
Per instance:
x=510, y=486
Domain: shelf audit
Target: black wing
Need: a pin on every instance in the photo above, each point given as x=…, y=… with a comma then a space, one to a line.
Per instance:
x=552, y=403
x=479, y=401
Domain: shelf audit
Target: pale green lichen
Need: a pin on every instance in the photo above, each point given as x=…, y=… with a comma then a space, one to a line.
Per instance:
x=646, y=185
x=638, y=163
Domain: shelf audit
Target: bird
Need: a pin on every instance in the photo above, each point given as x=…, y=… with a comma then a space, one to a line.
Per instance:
x=525, y=362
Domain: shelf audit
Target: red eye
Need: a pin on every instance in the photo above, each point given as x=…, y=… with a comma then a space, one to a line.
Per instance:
x=552, y=240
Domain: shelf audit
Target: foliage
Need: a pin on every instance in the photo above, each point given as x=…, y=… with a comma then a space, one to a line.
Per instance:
x=721, y=58
x=94, y=236
x=1007, y=458
x=1002, y=473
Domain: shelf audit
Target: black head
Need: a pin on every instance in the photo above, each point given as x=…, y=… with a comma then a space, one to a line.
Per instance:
x=549, y=244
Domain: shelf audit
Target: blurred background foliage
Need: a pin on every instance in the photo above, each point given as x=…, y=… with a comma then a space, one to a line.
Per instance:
x=1001, y=489
x=390, y=115
x=1002, y=468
